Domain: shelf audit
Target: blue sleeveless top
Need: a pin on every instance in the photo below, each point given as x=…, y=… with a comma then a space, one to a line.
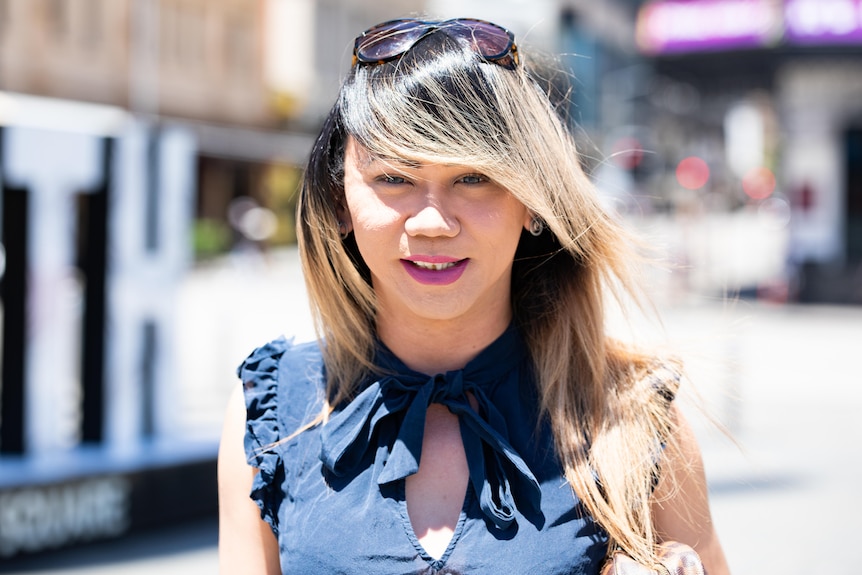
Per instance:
x=334, y=495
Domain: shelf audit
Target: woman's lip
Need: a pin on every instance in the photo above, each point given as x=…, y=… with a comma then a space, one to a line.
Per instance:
x=449, y=274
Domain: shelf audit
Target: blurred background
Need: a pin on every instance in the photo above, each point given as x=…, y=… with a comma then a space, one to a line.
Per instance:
x=150, y=152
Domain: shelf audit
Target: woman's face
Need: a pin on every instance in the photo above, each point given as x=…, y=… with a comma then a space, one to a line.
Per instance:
x=439, y=240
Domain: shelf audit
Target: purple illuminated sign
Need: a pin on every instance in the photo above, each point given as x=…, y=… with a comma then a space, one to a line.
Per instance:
x=681, y=26
x=823, y=21
x=678, y=26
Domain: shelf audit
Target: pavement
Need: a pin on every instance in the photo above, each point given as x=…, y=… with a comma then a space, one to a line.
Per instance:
x=782, y=380
x=188, y=549
x=785, y=497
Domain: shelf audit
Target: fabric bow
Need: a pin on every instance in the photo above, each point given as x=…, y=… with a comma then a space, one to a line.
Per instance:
x=498, y=475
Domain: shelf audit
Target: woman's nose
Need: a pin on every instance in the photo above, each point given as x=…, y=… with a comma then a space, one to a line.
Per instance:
x=432, y=219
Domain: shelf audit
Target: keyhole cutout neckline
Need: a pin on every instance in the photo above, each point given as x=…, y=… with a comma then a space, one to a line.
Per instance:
x=435, y=496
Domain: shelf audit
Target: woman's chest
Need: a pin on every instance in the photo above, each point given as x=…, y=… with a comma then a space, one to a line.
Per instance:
x=354, y=524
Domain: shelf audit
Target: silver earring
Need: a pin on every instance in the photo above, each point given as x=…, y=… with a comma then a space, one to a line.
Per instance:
x=342, y=230
x=537, y=226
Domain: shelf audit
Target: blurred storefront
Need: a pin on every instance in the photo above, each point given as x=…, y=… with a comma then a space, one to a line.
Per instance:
x=769, y=94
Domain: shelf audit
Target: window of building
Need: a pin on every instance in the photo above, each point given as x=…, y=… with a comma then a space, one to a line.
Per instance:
x=192, y=38
x=239, y=47
x=90, y=18
x=168, y=33
x=181, y=35
x=57, y=18
x=4, y=15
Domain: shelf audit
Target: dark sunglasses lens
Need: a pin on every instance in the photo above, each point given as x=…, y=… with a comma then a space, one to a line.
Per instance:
x=388, y=40
x=488, y=40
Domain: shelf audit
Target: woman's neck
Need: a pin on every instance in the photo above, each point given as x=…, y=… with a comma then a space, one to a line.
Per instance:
x=439, y=346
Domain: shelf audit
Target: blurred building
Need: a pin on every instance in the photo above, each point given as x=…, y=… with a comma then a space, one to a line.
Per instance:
x=190, y=59
x=727, y=128
x=769, y=94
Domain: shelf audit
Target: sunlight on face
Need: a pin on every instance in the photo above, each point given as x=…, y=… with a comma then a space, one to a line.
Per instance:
x=439, y=239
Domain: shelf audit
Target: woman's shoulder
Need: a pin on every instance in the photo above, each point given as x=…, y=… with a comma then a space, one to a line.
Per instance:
x=282, y=361
x=283, y=384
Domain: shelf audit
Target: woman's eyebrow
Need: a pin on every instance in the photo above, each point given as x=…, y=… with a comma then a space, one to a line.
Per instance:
x=395, y=163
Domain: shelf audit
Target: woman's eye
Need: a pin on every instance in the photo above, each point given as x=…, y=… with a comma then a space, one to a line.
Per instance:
x=473, y=179
x=388, y=179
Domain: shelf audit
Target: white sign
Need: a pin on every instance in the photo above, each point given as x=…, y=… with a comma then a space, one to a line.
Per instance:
x=37, y=518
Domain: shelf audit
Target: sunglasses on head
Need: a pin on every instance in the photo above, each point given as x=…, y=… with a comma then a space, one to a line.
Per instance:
x=392, y=39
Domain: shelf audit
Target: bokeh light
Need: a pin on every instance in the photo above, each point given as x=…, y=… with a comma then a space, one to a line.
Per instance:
x=774, y=213
x=692, y=173
x=759, y=183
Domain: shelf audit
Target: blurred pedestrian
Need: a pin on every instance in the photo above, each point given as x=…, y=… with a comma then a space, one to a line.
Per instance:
x=456, y=259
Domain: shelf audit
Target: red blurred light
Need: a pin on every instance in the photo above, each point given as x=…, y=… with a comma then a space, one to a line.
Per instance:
x=759, y=183
x=692, y=173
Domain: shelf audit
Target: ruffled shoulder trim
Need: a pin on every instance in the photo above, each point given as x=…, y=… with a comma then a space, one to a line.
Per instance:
x=280, y=384
x=259, y=375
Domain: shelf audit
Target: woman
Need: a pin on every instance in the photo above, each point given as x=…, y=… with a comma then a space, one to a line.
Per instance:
x=465, y=411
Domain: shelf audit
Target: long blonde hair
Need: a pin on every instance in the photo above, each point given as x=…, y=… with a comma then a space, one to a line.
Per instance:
x=607, y=404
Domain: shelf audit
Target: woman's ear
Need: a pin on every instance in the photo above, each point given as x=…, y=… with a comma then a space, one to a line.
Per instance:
x=345, y=223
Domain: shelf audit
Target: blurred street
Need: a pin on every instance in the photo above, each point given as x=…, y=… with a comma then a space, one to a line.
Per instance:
x=784, y=380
